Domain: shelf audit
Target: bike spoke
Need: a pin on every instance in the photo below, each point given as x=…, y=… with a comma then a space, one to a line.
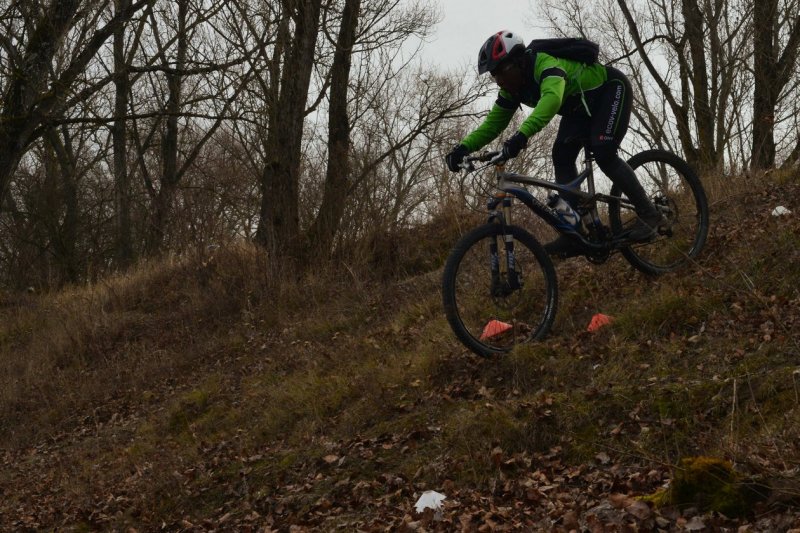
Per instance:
x=677, y=192
x=494, y=318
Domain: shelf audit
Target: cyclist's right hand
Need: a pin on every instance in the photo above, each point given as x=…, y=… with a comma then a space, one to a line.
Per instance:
x=499, y=158
x=456, y=157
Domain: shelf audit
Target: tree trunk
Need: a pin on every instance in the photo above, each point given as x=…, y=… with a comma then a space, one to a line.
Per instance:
x=323, y=231
x=279, y=224
x=119, y=134
x=693, y=18
x=63, y=191
x=170, y=141
x=764, y=58
x=771, y=73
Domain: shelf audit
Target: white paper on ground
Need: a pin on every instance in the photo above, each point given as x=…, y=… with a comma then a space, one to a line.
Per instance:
x=430, y=499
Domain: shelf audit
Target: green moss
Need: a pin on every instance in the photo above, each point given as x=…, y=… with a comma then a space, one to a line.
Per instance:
x=524, y=427
x=187, y=410
x=83, y=526
x=303, y=402
x=523, y=367
x=191, y=407
x=708, y=483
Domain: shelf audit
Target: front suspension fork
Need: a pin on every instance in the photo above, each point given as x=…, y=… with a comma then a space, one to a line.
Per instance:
x=512, y=281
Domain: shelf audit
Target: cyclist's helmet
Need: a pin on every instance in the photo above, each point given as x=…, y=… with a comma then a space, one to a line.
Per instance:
x=497, y=48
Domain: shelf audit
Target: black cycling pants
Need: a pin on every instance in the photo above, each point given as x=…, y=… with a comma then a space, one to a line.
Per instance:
x=610, y=106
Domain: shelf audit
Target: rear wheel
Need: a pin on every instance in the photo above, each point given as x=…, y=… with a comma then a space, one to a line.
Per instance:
x=492, y=317
x=677, y=192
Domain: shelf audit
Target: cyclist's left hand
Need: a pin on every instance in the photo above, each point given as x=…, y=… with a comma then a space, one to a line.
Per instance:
x=456, y=157
x=514, y=145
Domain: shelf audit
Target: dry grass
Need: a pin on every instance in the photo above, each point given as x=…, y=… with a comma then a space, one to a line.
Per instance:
x=220, y=380
x=66, y=355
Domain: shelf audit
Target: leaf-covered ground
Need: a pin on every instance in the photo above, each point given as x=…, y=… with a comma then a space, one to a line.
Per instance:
x=203, y=396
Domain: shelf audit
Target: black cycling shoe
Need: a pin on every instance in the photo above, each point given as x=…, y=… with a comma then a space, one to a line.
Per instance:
x=646, y=227
x=565, y=246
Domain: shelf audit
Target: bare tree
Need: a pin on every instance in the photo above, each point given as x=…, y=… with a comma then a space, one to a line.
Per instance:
x=772, y=69
x=191, y=82
x=396, y=116
x=701, y=39
x=146, y=125
x=162, y=200
x=398, y=149
x=32, y=96
x=336, y=187
x=45, y=227
x=279, y=224
x=64, y=235
x=685, y=58
x=119, y=133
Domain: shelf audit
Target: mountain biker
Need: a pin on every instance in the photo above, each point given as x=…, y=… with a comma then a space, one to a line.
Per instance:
x=590, y=98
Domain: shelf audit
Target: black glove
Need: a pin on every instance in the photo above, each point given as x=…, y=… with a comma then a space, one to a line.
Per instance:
x=514, y=145
x=455, y=157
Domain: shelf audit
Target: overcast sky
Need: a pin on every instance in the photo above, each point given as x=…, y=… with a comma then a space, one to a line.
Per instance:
x=466, y=24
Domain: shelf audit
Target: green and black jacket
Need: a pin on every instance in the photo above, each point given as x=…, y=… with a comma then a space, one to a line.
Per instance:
x=555, y=86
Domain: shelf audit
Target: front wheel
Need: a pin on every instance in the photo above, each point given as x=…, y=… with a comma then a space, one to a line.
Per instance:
x=677, y=192
x=490, y=314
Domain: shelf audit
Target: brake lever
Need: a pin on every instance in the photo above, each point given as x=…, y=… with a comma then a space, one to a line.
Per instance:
x=488, y=158
x=498, y=159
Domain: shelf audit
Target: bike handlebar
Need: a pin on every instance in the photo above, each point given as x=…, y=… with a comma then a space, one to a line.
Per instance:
x=484, y=157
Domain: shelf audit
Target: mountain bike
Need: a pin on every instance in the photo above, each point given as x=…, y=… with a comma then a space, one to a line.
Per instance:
x=499, y=286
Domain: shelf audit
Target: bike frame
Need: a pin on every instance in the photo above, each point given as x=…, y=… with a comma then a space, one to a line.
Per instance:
x=506, y=186
x=602, y=245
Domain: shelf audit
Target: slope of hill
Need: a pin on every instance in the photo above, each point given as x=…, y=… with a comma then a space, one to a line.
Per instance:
x=209, y=393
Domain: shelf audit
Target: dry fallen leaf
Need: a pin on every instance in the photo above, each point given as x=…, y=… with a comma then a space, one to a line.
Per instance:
x=618, y=501
x=695, y=524
x=497, y=456
x=639, y=509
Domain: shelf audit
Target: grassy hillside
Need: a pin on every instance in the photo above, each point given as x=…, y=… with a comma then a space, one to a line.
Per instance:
x=209, y=392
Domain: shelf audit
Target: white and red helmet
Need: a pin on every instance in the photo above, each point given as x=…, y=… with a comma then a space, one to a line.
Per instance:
x=498, y=48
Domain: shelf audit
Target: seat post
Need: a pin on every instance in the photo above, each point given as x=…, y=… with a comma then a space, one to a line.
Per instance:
x=588, y=156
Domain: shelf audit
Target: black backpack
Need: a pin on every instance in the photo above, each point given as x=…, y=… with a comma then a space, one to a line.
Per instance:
x=573, y=48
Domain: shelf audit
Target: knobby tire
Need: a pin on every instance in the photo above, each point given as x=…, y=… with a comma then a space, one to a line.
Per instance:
x=467, y=297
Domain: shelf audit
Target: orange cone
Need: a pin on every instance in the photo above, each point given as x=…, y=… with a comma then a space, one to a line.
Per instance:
x=494, y=328
x=598, y=321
